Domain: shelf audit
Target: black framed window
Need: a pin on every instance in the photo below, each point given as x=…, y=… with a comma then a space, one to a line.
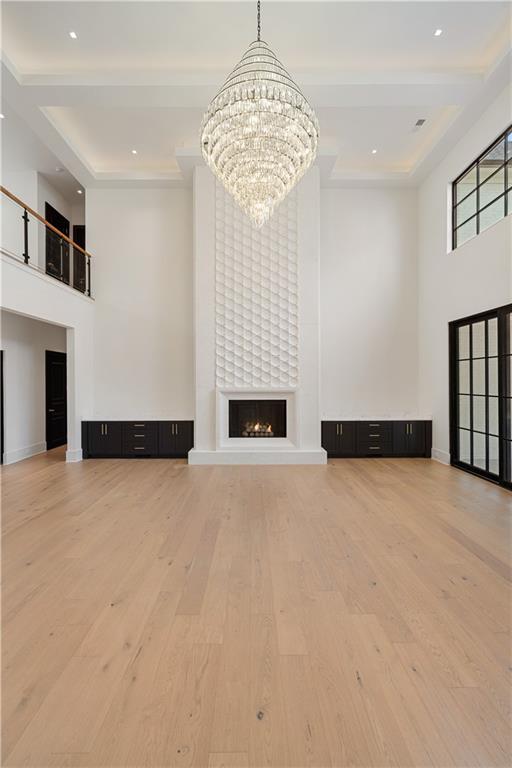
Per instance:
x=481, y=394
x=482, y=194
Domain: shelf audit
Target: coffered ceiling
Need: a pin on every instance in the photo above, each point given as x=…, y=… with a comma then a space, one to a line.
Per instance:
x=139, y=75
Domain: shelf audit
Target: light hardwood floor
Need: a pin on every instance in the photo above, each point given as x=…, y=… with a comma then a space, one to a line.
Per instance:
x=156, y=614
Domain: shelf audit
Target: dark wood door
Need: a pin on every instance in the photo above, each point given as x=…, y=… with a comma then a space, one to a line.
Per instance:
x=330, y=437
x=79, y=279
x=56, y=399
x=105, y=438
x=57, y=249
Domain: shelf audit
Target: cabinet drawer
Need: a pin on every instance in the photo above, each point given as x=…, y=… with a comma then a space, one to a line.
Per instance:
x=140, y=428
x=139, y=447
x=370, y=430
x=374, y=447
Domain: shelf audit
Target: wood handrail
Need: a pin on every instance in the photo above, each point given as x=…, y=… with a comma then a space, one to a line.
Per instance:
x=43, y=221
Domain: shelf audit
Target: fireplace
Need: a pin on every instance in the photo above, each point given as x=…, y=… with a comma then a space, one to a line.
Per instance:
x=257, y=419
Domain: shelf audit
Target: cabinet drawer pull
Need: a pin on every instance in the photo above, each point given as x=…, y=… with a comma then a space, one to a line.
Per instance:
x=139, y=425
x=136, y=448
x=374, y=435
x=374, y=425
x=374, y=447
x=139, y=435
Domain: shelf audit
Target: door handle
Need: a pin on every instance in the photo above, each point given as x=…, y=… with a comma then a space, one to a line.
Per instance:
x=337, y=428
x=172, y=429
x=106, y=429
x=176, y=426
x=341, y=429
x=51, y=410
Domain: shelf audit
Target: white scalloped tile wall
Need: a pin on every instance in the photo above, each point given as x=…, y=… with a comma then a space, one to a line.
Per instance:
x=256, y=296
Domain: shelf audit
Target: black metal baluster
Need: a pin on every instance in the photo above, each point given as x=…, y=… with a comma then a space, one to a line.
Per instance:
x=25, y=218
x=88, y=275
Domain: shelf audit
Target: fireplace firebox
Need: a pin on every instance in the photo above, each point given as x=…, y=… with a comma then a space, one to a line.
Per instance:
x=257, y=418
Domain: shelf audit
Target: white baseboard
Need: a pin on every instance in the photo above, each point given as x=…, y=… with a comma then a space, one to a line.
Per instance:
x=74, y=455
x=441, y=456
x=11, y=457
x=257, y=457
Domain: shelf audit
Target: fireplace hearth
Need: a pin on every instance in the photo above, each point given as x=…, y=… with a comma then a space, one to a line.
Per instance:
x=257, y=419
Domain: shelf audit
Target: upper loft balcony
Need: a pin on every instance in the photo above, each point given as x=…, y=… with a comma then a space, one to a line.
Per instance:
x=44, y=244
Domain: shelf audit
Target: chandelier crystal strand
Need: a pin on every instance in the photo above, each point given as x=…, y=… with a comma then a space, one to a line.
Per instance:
x=259, y=134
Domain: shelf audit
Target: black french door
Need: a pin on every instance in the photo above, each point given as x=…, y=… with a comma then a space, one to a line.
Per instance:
x=481, y=394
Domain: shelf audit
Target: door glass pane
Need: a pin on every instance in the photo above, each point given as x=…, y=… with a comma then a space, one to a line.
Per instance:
x=492, y=364
x=494, y=455
x=479, y=413
x=464, y=377
x=466, y=232
x=478, y=330
x=479, y=377
x=479, y=450
x=464, y=341
x=464, y=411
x=492, y=331
x=508, y=418
x=493, y=416
x=492, y=214
x=465, y=446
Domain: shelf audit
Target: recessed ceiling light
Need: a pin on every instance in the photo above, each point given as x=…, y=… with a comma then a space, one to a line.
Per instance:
x=59, y=169
x=2, y=116
x=134, y=151
x=73, y=35
x=80, y=191
x=438, y=32
x=374, y=151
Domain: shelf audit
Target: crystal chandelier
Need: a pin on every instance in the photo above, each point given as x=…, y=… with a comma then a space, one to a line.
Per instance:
x=259, y=134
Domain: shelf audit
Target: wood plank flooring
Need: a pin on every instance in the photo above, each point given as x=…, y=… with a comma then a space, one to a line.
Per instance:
x=157, y=614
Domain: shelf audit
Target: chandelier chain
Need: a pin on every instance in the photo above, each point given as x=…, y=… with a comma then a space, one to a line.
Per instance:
x=259, y=20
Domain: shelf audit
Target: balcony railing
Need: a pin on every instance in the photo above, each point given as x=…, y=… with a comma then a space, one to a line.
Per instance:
x=56, y=245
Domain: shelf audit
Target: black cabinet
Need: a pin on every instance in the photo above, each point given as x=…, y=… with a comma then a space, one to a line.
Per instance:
x=409, y=438
x=339, y=437
x=104, y=438
x=377, y=438
x=175, y=438
x=128, y=439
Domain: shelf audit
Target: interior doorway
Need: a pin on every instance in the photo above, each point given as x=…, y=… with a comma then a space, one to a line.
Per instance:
x=57, y=249
x=56, y=399
x=481, y=394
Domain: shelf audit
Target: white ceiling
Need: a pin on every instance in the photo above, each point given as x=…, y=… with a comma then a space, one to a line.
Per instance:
x=140, y=75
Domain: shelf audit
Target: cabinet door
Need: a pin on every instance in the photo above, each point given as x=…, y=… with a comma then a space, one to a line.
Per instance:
x=346, y=438
x=105, y=438
x=400, y=438
x=416, y=438
x=183, y=437
x=166, y=439
x=330, y=437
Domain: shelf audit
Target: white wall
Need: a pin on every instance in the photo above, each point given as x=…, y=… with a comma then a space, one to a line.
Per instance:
x=475, y=277
x=142, y=284
x=368, y=295
x=24, y=342
x=26, y=291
